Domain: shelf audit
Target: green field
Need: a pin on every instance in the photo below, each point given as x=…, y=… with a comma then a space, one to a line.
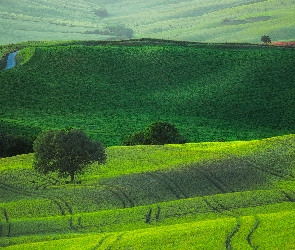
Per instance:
x=193, y=20
x=232, y=186
x=210, y=92
x=212, y=195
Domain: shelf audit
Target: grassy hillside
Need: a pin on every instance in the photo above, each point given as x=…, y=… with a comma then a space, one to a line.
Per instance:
x=218, y=195
x=209, y=92
x=193, y=20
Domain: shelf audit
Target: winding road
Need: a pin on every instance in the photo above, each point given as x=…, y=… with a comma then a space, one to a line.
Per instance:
x=11, y=60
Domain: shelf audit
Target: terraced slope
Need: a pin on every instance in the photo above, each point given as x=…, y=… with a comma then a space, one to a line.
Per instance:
x=229, y=195
x=210, y=92
x=193, y=20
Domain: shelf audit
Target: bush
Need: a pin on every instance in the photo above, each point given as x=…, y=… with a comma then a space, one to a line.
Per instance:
x=11, y=145
x=101, y=12
x=157, y=133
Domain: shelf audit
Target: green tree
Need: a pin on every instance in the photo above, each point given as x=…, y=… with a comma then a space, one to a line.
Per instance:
x=11, y=145
x=162, y=133
x=265, y=39
x=67, y=152
x=157, y=133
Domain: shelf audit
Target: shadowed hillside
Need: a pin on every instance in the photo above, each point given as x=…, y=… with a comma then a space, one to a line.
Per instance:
x=210, y=92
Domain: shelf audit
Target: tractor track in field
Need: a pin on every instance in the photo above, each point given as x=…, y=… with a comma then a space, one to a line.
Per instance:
x=289, y=198
x=173, y=188
x=263, y=168
x=253, y=229
x=158, y=214
x=121, y=195
x=174, y=183
x=214, y=208
x=101, y=242
x=7, y=221
x=48, y=180
x=149, y=215
x=115, y=241
x=228, y=244
x=222, y=209
x=58, y=201
x=219, y=185
x=217, y=206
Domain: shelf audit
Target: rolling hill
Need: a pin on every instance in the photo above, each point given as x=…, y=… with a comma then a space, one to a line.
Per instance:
x=111, y=90
x=191, y=20
x=217, y=195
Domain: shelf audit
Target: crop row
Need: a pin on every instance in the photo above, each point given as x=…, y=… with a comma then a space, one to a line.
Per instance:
x=245, y=232
x=184, y=210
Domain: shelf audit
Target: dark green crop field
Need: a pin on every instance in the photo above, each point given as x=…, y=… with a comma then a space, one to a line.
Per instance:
x=210, y=92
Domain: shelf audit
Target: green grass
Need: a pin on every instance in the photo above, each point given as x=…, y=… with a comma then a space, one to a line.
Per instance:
x=210, y=93
x=203, y=21
x=221, y=195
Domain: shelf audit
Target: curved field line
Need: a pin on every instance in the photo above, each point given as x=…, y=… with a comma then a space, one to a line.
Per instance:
x=262, y=168
x=158, y=213
x=177, y=187
x=290, y=199
x=100, y=242
x=228, y=240
x=48, y=180
x=222, y=209
x=249, y=236
x=221, y=182
x=31, y=194
x=148, y=216
x=116, y=240
x=7, y=222
x=166, y=184
x=118, y=196
x=215, y=183
x=127, y=198
x=214, y=208
x=121, y=195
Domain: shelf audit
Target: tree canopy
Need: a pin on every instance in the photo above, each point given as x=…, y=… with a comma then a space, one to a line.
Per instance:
x=157, y=133
x=67, y=152
x=11, y=145
x=265, y=39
